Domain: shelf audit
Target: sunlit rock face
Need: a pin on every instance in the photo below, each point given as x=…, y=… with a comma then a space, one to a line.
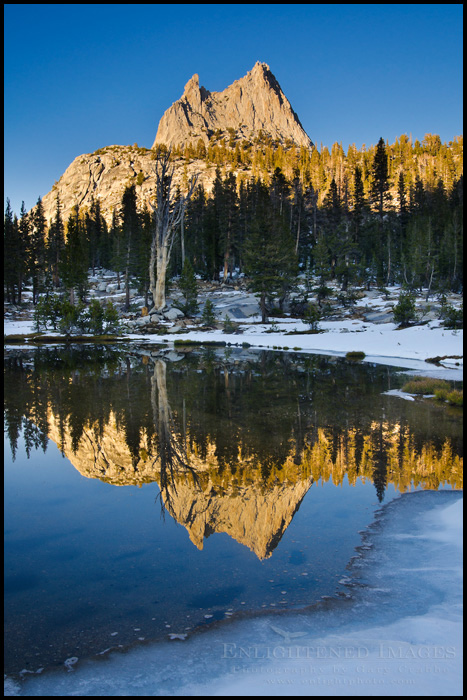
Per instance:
x=104, y=454
x=200, y=496
x=252, y=104
x=252, y=513
x=102, y=177
x=255, y=510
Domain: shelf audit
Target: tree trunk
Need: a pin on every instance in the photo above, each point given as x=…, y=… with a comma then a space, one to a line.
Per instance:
x=158, y=272
x=169, y=212
x=182, y=237
x=226, y=266
x=262, y=303
x=388, y=276
x=127, y=279
x=297, y=240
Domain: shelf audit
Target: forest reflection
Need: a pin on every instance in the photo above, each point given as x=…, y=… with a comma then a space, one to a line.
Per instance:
x=234, y=438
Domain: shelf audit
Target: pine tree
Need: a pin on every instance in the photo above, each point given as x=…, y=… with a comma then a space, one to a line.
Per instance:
x=270, y=262
x=211, y=239
x=141, y=268
x=117, y=258
x=227, y=209
x=74, y=264
x=10, y=253
x=131, y=230
x=22, y=263
x=331, y=221
x=189, y=288
x=56, y=243
x=194, y=231
x=37, y=259
x=322, y=266
x=97, y=237
x=380, y=183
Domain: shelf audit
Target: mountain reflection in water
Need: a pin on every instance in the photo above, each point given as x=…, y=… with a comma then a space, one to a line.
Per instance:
x=233, y=438
x=283, y=456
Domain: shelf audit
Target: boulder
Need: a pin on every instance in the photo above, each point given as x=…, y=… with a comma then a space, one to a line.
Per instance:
x=173, y=313
x=142, y=321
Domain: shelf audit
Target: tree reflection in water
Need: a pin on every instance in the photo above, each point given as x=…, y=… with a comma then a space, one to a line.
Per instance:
x=171, y=454
x=252, y=427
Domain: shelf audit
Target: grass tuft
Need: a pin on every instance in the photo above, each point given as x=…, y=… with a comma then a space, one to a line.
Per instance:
x=425, y=385
x=454, y=397
x=355, y=355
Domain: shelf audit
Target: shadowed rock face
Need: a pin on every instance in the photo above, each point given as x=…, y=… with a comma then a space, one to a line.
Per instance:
x=251, y=104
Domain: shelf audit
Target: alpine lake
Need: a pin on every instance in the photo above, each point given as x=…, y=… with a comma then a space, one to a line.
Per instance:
x=151, y=492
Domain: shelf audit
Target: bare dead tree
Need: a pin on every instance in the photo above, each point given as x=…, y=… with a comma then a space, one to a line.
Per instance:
x=168, y=211
x=171, y=452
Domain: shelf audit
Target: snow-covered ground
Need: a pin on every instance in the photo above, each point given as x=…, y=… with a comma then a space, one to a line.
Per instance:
x=398, y=633
x=381, y=342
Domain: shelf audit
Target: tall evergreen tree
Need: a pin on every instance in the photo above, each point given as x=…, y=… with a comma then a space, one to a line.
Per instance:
x=117, y=258
x=227, y=211
x=56, y=243
x=189, y=288
x=270, y=261
x=195, y=214
x=141, y=269
x=22, y=263
x=10, y=253
x=331, y=223
x=131, y=230
x=97, y=237
x=380, y=182
x=75, y=260
x=37, y=259
x=357, y=215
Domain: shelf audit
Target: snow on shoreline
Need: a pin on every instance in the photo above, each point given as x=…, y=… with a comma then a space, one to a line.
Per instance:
x=382, y=343
x=371, y=333
x=399, y=634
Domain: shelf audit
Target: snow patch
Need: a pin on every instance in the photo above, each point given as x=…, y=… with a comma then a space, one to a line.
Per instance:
x=399, y=638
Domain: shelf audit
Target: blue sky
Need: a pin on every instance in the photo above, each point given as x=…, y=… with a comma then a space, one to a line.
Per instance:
x=80, y=77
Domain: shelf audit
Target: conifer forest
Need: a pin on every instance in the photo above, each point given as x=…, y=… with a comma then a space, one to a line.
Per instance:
x=380, y=215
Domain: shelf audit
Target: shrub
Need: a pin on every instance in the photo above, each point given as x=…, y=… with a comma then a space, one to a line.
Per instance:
x=111, y=320
x=323, y=292
x=64, y=316
x=208, y=316
x=453, y=318
x=456, y=398
x=441, y=394
x=348, y=298
x=404, y=311
x=228, y=325
x=312, y=316
x=92, y=319
x=47, y=311
x=69, y=316
x=189, y=288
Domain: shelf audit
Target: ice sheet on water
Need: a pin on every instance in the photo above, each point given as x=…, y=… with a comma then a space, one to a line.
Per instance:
x=398, y=634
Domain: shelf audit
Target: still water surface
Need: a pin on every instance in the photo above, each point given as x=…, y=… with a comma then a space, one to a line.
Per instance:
x=150, y=492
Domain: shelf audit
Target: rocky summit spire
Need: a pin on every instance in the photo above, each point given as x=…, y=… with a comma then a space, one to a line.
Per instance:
x=251, y=104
